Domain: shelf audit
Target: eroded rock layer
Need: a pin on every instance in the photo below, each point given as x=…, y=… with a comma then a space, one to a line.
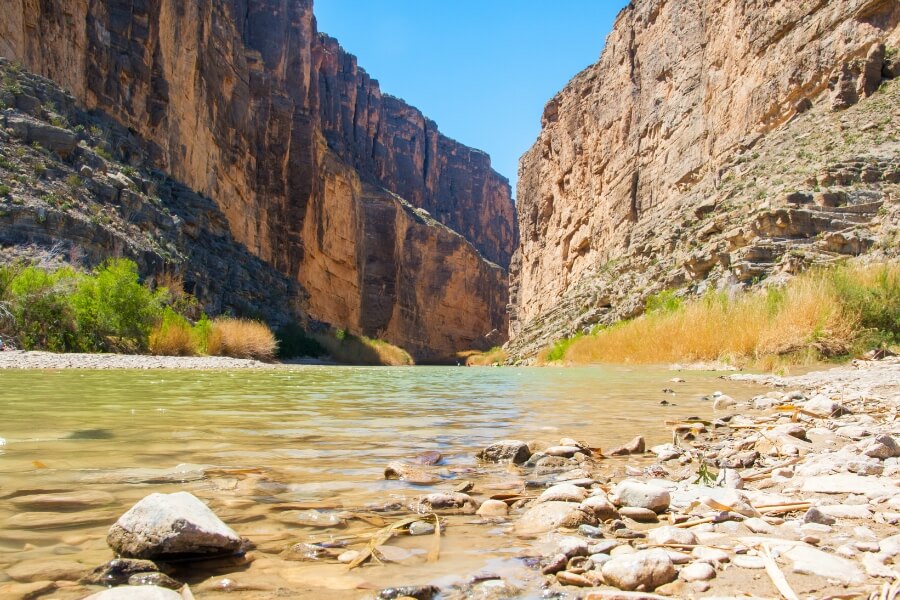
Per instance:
x=246, y=103
x=666, y=163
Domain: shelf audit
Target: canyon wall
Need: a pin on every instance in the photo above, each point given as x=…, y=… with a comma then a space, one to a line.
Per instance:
x=244, y=102
x=642, y=151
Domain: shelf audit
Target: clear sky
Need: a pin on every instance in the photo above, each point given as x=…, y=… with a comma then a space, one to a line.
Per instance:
x=482, y=69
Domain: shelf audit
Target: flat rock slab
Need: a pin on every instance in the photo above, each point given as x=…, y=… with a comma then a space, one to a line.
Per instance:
x=848, y=483
x=163, y=525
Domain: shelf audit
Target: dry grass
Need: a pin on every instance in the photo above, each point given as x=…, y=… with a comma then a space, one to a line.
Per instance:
x=821, y=314
x=489, y=358
x=241, y=338
x=172, y=340
x=360, y=350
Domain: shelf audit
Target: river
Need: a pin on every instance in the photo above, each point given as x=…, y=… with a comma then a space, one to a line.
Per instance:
x=264, y=448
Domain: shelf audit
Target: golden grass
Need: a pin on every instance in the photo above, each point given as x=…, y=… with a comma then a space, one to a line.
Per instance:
x=494, y=356
x=173, y=336
x=241, y=338
x=820, y=314
x=360, y=350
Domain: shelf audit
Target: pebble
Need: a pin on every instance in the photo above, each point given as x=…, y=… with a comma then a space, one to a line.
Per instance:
x=600, y=506
x=451, y=502
x=423, y=527
x=564, y=451
x=563, y=492
x=602, y=546
x=712, y=555
x=493, y=508
x=748, y=562
x=698, y=571
x=757, y=525
x=640, y=495
x=641, y=515
x=515, y=451
x=672, y=535
x=814, y=515
x=547, y=516
x=590, y=531
x=647, y=569
x=567, y=578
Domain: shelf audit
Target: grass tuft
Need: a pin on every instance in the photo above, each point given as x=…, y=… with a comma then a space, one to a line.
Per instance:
x=241, y=338
x=345, y=347
x=173, y=336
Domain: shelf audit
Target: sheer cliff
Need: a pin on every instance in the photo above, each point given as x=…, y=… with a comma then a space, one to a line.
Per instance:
x=392, y=229
x=714, y=144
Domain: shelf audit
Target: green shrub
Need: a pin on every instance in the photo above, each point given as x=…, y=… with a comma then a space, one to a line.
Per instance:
x=202, y=332
x=113, y=310
x=293, y=342
x=558, y=350
x=4, y=190
x=663, y=302
x=74, y=182
x=40, y=309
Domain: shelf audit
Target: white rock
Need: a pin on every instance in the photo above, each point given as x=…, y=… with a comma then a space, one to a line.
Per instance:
x=648, y=569
x=722, y=401
x=166, y=524
x=136, y=592
x=563, y=492
x=846, y=511
x=748, y=562
x=666, y=452
x=698, y=571
x=875, y=566
x=890, y=545
x=640, y=495
x=811, y=561
x=678, y=558
x=757, y=525
x=825, y=406
x=349, y=556
x=847, y=483
x=672, y=535
x=711, y=555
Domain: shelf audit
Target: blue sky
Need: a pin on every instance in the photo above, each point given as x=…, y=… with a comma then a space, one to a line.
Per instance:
x=483, y=69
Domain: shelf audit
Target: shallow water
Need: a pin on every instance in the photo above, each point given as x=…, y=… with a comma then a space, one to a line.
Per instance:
x=254, y=441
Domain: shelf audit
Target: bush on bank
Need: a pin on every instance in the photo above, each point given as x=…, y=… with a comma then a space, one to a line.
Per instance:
x=110, y=310
x=822, y=314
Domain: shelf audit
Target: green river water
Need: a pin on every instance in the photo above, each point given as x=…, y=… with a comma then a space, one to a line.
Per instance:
x=265, y=447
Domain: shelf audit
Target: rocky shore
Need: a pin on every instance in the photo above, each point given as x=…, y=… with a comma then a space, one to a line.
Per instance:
x=18, y=359
x=792, y=493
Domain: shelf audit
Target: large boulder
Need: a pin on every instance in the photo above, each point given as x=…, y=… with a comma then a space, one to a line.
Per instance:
x=163, y=525
x=137, y=592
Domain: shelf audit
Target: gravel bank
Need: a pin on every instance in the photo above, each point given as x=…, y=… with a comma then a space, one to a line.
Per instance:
x=50, y=360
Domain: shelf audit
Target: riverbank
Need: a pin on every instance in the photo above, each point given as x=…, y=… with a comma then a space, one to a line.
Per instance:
x=19, y=359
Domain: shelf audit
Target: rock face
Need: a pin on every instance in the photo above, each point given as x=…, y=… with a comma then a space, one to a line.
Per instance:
x=316, y=171
x=704, y=148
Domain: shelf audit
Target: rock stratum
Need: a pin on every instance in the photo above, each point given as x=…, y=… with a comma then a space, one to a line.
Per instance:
x=715, y=143
x=390, y=228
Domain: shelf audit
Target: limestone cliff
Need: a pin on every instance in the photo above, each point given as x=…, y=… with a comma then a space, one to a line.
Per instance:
x=714, y=143
x=246, y=103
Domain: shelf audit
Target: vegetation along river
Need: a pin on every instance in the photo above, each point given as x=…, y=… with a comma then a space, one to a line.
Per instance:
x=291, y=454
